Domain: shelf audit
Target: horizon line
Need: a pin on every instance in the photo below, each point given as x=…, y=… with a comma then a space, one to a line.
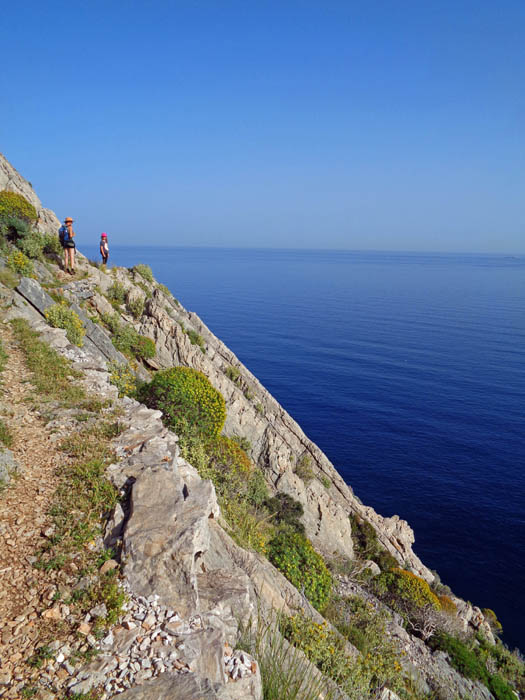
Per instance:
x=328, y=250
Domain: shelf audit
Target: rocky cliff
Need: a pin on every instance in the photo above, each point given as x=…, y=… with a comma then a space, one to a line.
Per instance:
x=193, y=591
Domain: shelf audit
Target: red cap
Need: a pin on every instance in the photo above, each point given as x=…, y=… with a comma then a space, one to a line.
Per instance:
x=103, y=235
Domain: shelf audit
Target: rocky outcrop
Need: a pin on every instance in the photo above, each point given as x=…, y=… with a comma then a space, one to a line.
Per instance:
x=10, y=179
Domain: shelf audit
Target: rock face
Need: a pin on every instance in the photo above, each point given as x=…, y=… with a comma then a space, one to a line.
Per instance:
x=11, y=180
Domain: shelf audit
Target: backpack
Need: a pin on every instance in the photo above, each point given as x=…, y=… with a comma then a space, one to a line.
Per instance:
x=63, y=234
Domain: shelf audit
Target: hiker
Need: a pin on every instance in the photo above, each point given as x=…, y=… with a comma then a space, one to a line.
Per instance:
x=66, y=235
x=104, y=248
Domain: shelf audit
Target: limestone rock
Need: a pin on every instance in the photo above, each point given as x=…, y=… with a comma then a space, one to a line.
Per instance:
x=35, y=295
x=166, y=533
x=170, y=686
x=8, y=465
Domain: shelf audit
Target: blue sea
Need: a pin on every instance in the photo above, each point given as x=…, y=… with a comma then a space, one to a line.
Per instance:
x=408, y=370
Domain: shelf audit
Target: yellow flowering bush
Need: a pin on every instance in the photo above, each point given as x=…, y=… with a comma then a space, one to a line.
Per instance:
x=13, y=204
x=403, y=588
x=360, y=677
x=123, y=378
x=187, y=398
x=20, y=263
x=447, y=604
x=61, y=316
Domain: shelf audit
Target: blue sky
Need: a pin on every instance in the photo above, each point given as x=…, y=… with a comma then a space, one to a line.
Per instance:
x=283, y=123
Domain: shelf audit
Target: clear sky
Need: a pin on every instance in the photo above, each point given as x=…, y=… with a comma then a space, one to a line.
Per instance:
x=378, y=124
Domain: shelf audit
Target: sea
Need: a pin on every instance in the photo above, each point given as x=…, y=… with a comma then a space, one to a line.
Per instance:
x=408, y=371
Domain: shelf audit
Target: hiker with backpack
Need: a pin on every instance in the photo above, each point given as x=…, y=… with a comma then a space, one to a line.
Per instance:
x=66, y=235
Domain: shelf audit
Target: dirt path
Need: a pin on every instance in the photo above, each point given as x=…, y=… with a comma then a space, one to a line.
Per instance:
x=25, y=591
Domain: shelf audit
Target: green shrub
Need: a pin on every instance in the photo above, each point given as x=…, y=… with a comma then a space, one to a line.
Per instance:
x=145, y=271
x=233, y=373
x=186, y=397
x=164, y=290
x=135, y=305
x=52, y=245
x=61, y=316
x=32, y=245
x=143, y=347
x=196, y=339
x=367, y=546
x=303, y=468
x=286, y=510
x=14, y=204
x=500, y=689
x=296, y=558
x=461, y=657
x=257, y=489
x=126, y=339
x=117, y=293
x=20, y=263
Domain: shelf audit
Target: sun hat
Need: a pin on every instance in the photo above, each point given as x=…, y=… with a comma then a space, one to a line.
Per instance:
x=68, y=218
x=103, y=235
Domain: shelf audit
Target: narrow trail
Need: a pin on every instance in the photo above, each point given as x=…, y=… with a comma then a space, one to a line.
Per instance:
x=24, y=524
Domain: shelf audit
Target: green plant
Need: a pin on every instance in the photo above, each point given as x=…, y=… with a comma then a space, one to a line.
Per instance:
x=13, y=204
x=126, y=339
x=186, y=397
x=43, y=653
x=196, y=339
x=61, y=316
x=461, y=657
x=123, y=378
x=257, y=489
x=491, y=617
x=325, y=481
x=135, y=305
x=6, y=436
x=164, y=290
x=145, y=271
x=116, y=293
x=31, y=244
x=367, y=546
x=233, y=373
x=143, y=347
x=51, y=373
x=51, y=245
x=285, y=673
x=303, y=468
x=286, y=510
x=20, y=263
x=500, y=689
x=243, y=442
x=296, y=558
x=8, y=277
